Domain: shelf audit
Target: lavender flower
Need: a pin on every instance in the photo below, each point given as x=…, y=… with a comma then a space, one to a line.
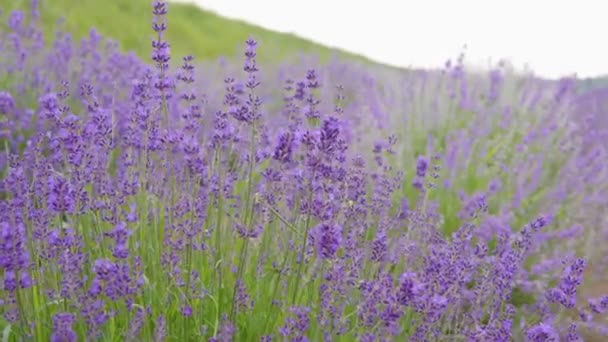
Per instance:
x=328, y=238
x=542, y=332
x=120, y=235
x=226, y=332
x=62, y=328
x=14, y=257
x=421, y=166
x=284, y=148
x=409, y=288
x=160, y=331
x=565, y=293
x=296, y=325
x=7, y=103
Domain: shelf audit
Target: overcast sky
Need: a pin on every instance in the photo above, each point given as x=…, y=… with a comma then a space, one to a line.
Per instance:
x=554, y=38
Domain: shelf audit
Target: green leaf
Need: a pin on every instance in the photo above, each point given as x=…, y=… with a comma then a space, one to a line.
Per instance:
x=6, y=333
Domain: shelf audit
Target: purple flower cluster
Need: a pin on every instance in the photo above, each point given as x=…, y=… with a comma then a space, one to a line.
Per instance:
x=565, y=293
x=297, y=325
x=62, y=328
x=328, y=238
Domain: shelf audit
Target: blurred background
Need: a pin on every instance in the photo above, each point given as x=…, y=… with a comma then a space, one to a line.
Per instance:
x=555, y=38
x=551, y=38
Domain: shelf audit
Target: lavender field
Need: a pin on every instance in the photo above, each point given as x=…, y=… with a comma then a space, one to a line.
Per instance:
x=184, y=200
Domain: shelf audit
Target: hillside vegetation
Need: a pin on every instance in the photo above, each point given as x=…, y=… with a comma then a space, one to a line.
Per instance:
x=192, y=30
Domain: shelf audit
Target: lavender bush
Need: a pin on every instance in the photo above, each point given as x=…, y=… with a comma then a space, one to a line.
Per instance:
x=323, y=202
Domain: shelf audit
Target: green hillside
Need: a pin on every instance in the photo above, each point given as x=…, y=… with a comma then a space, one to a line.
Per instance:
x=201, y=33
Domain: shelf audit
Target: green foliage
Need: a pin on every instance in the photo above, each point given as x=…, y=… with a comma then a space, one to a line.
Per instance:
x=520, y=297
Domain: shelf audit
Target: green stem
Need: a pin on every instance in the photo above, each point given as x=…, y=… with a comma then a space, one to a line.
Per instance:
x=23, y=315
x=304, y=244
x=282, y=219
x=250, y=175
x=249, y=220
x=274, y=294
x=218, y=253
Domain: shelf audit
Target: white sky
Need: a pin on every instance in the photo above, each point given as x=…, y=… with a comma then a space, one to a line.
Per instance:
x=554, y=38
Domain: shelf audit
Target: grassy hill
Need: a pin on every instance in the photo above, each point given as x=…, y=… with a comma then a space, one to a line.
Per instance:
x=201, y=33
